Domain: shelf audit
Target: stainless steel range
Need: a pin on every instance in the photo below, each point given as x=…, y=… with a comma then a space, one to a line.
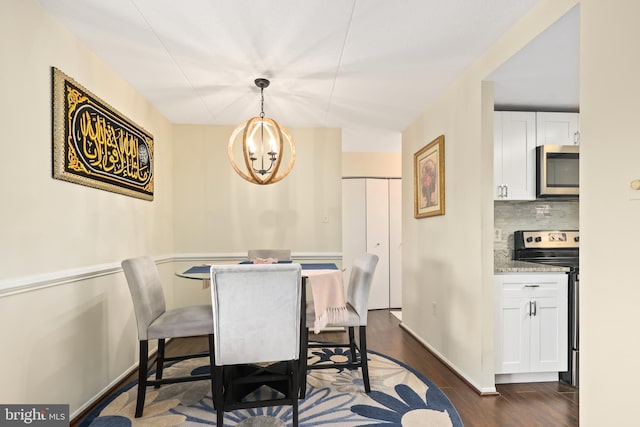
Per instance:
x=558, y=248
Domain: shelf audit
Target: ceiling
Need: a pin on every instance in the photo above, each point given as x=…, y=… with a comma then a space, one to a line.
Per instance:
x=544, y=75
x=367, y=66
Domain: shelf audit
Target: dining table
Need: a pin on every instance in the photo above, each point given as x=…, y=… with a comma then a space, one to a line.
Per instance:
x=326, y=283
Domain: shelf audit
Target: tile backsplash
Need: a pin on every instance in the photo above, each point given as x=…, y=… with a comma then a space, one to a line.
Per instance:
x=510, y=216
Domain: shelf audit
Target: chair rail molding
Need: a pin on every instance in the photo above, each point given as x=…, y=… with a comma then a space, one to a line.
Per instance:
x=31, y=283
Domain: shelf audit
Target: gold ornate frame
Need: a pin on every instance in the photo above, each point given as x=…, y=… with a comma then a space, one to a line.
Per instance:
x=428, y=179
x=95, y=145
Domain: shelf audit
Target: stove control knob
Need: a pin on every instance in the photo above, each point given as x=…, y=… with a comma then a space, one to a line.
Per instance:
x=529, y=239
x=576, y=239
x=538, y=239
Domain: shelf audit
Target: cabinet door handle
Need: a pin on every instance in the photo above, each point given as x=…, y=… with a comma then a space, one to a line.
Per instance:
x=532, y=286
x=529, y=311
x=506, y=191
x=535, y=308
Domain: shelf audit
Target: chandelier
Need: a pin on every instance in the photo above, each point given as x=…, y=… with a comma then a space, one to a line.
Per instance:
x=263, y=147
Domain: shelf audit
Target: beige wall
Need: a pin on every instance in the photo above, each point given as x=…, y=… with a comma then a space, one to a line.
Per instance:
x=217, y=211
x=440, y=254
x=69, y=328
x=609, y=211
x=368, y=164
x=67, y=341
x=448, y=260
x=85, y=327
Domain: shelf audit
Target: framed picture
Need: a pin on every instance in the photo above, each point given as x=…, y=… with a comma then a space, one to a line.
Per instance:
x=95, y=145
x=428, y=174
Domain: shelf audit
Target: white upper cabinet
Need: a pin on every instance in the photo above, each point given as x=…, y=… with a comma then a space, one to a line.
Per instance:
x=516, y=134
x=514, y=155
x=557, y=128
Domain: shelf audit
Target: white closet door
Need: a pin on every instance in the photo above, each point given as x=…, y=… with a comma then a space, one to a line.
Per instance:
x=354, y=222
x=395, y=243
x=377, y=212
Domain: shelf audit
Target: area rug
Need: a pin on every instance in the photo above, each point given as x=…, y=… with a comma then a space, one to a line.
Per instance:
x=399, y=396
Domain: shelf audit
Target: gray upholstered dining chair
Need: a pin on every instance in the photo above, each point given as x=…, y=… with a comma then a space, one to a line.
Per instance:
x=155, y=322
x=358, y=291
x=279, y=254
x=257, y=318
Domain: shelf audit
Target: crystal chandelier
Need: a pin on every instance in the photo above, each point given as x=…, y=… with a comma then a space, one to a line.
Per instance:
x=264, y=143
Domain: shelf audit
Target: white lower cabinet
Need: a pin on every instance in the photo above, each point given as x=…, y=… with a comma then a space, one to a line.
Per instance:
x=531, y=326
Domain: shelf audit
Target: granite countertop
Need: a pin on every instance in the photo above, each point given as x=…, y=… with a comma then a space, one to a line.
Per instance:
x=502, y=263
x=511, y=266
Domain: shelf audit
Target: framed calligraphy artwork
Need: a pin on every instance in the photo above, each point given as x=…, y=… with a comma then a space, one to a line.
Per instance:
x=428, y=174
x=95, y=145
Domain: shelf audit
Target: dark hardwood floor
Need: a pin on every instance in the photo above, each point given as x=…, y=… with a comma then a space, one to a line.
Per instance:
x=518, y=405
x=535, y=404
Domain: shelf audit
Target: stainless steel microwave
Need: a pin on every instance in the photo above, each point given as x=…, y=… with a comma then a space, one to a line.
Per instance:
x=558, y=170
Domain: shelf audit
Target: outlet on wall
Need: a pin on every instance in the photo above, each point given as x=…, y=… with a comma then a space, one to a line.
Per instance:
x=497, y=235
x=434, y=308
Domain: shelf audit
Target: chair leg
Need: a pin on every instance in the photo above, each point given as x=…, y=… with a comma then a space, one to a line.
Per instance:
x=159, y=361
x=212, y=364
x=304, y=348
x=352, y=345
x=218, y=396
x=142, y=377
x=295, y=376
x=364, y=359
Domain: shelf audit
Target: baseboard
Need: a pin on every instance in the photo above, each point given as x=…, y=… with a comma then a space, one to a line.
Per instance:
x=527, y=377
x=482, y=391
x=110, y=388
x=83, y=410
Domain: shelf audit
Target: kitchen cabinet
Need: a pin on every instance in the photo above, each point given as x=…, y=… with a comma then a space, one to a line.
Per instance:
x=371, y=222
x=557, y=128
x=531, y=326
x=514, y=157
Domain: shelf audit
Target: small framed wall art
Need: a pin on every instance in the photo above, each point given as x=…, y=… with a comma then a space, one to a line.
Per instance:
x=428, y=174
x=95, y=145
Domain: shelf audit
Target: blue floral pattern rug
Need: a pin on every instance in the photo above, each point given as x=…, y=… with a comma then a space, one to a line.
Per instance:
x=399, y=396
